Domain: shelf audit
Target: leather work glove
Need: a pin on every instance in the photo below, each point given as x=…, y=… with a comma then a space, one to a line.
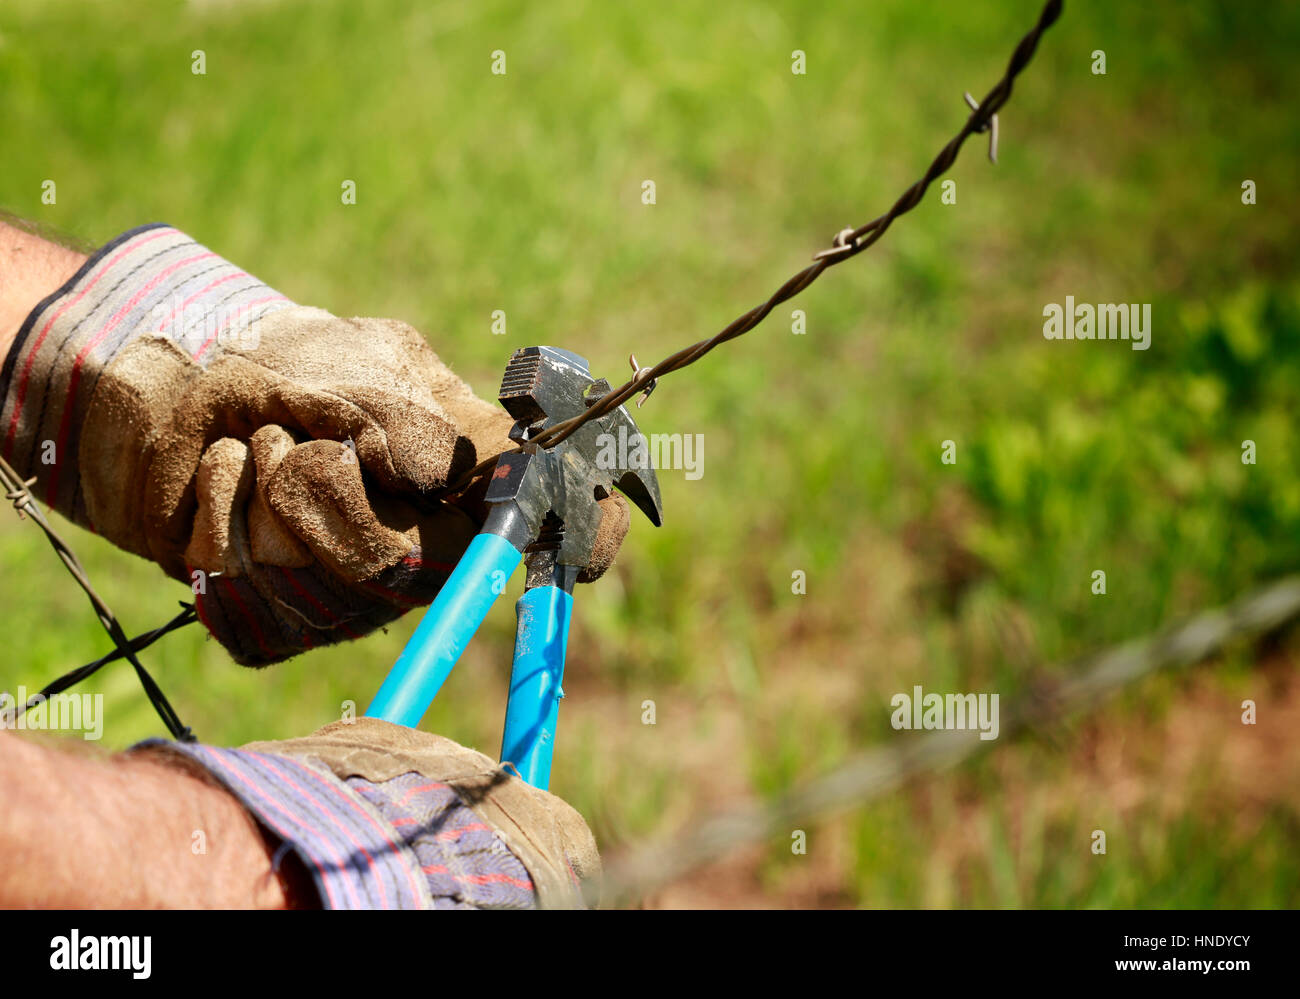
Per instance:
x=275, y=457
x=385, y=816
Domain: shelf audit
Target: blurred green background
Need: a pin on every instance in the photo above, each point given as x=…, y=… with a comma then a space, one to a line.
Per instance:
x=522, y=192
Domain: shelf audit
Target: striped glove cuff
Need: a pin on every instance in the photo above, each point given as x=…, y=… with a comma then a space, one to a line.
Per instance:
x=408, y=842
x=153, y=279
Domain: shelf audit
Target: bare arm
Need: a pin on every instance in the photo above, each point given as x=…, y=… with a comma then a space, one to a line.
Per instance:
x=30, y=269
x=86, y=832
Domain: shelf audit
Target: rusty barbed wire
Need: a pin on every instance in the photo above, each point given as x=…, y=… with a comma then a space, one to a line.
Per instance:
x=878, y=770
x=18, y=493
x=848, y=243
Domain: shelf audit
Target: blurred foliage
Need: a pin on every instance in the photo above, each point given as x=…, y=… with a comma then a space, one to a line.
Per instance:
x=522, y=192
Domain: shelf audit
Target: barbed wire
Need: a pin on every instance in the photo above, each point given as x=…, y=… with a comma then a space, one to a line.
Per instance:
x=847, y=243
x=17, y=491
x=876, y=771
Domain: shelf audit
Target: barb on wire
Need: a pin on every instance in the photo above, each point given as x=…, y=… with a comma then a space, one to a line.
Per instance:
x=877, y=771
x=638, y=376
x=16, y=490
x=991, y=127
x=849, y=243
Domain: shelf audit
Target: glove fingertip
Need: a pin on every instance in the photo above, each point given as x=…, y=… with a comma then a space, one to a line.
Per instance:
x=616, y=518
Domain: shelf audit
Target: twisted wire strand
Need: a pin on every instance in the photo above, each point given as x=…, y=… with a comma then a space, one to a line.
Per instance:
x=848, y=243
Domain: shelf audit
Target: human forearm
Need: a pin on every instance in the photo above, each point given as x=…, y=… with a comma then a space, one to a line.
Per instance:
x=82, y=832
x=30, y=269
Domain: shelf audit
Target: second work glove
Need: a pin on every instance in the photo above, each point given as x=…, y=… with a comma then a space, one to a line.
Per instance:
x=277, y=458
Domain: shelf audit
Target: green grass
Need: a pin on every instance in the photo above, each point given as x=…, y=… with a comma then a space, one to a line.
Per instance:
x=522, y=192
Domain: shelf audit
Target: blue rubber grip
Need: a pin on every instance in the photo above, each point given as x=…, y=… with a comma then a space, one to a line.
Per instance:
x=534, y=704
x=448, y=625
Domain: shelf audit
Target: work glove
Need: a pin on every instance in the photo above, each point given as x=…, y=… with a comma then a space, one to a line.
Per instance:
x=388, y=816
x=275, y=457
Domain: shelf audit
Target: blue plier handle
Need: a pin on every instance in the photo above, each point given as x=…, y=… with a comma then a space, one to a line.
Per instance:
x=541, y=638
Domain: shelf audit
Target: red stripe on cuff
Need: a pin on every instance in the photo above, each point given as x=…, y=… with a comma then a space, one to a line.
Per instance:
x=233, y=592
